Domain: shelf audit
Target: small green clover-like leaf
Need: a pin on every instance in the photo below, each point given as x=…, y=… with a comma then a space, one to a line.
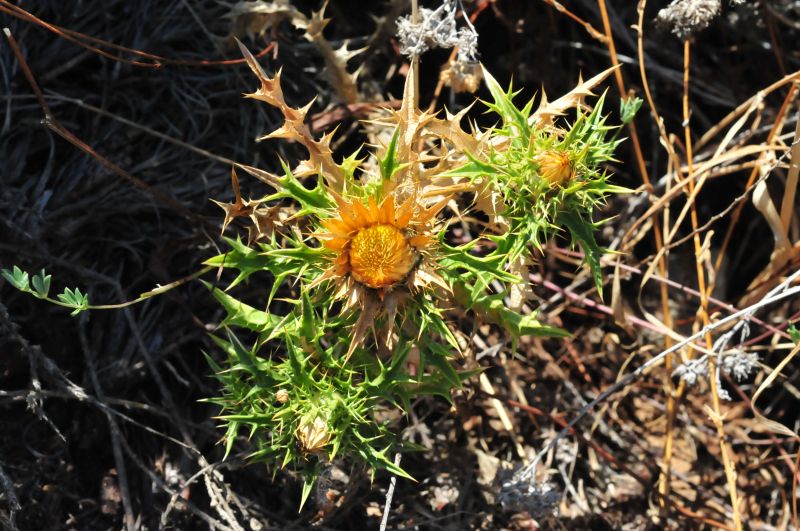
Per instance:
x=794, y=333
x=628, y=109
x=74, y=298
x=17, y=278
x=41, y=284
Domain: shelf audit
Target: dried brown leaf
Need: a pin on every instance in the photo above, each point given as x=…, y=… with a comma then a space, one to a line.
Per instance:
x=294, y=128
x=549, y=111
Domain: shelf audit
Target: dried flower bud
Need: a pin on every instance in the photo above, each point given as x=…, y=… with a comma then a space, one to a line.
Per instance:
x=313, y=435
x=555, y=166
x=738, y=364
x=255, y=18
x=282, y=396
x=462, y=76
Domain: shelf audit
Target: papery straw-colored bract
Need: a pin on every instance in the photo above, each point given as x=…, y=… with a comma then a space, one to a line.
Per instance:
x=312, y=435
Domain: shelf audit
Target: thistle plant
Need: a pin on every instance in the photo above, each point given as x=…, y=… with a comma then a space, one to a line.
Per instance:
x=366, y=279
x=541, y=175
x=362, y=287
x=362, y=250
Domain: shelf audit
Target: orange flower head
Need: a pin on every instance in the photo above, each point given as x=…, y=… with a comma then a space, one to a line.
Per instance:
x=376, y=244
x=555, y=166
x=380, y=256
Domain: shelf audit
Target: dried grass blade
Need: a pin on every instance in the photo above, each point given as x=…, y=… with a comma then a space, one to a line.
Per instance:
x=772, y=425
x=787, y=205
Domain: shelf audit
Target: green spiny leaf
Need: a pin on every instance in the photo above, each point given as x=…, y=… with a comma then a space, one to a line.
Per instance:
x=582, y=232
x=388, y=163
x=241, y=257
x=505, y=107
x=309, y=478
x=243, y=315
x=314, y=201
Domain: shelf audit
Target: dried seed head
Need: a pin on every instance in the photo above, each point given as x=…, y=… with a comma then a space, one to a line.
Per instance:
x=462, y=76
x=255, y=18
x=467, y=44
x=555, y=166
x=740, y=364
x=282, y=396
x=312, y=435
x=437, y=28
x=687, y=17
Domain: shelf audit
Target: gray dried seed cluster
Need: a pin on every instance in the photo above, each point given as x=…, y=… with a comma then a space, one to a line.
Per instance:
x=537, y=498
x=437, y=28
x=687, y=17
x=738, y=364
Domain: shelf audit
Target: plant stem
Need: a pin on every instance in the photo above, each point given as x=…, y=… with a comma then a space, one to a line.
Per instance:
x=415, y=58
x=717, y=417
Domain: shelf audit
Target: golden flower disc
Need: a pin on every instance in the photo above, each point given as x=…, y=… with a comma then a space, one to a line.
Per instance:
x=380, y=256
x=555, y=166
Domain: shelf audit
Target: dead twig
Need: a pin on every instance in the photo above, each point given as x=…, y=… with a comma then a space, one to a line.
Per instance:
x=116, y=434
x=389, y=495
